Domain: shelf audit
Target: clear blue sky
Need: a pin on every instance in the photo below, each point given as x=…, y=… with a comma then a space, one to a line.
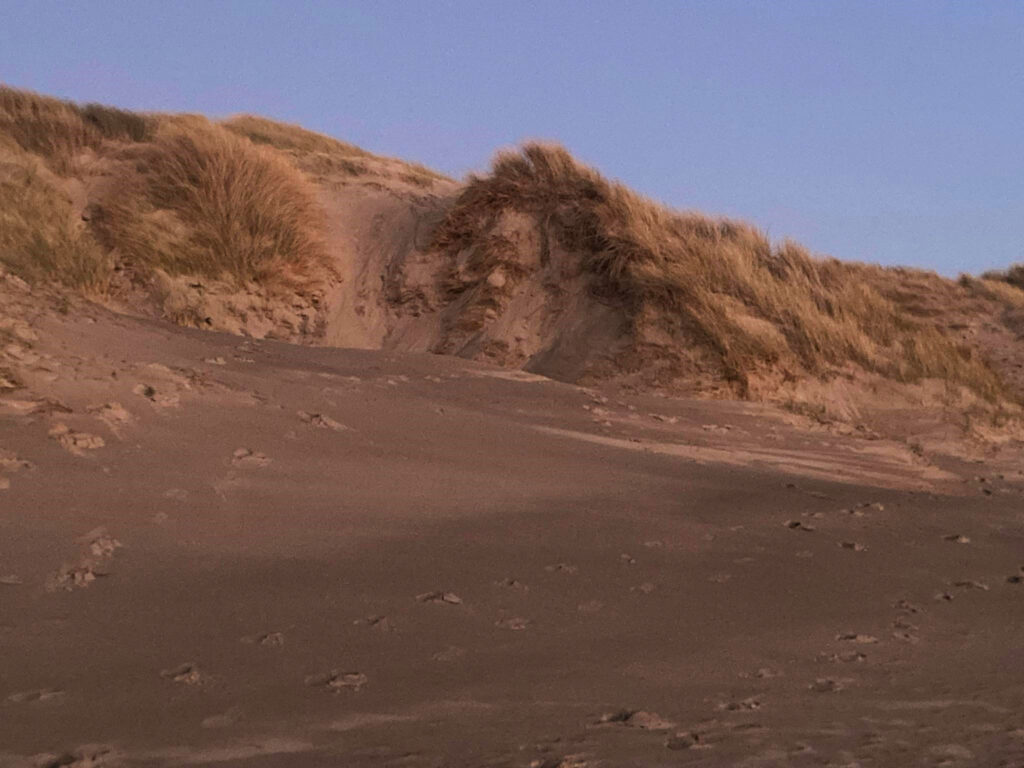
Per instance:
x=879, y=131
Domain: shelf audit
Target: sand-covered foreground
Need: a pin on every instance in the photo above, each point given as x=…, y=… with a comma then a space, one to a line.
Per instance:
x=220, y=551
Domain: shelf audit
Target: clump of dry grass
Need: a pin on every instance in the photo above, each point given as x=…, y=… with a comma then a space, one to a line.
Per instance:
x=196, y=198
x=202, y=200
x=118, y=124
x=286, y=136
x=995, y=286
x=1013, y=276
x=51, y=128
x=57, y=130
x=717, y=282
x=319, y=153
x=40, y=237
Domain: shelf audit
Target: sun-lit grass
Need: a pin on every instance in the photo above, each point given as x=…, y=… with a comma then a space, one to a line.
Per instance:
x=235, y=199
x=1013, y=276
x=50, y=128
x=721, y=283
x=1000, y=286
x=321, y=153
x=204, y=201
x=286, y=136
x=40, y=239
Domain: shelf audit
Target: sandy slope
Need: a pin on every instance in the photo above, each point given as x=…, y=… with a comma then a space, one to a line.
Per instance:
x=219, y=551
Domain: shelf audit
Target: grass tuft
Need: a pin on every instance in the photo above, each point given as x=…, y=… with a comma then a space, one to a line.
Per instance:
x=286, y=136
x=205, y=201
x=41, y=239
x=118, y=124
x=1013, y=276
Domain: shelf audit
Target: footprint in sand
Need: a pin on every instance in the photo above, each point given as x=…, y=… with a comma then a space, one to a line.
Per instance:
x=687, y=740
x=96, y=552
x=797, y=525
x=561, y=568
x=862, y=509
x=266, y=639
x=905, y=633
x=379, y=622
x=321, y=421
x=159, y=399
x=957, y=538
x=8, y=381
x=968, y=584
x=10, y=463
x=764, y=673
x=247, y=458
x=853, y=546
x=514, y=623
x=184, y=674
x=511, y=583
x=906, y=606
x=950, y=754
x=76, y=443
x=447, y=598
x=855, y=637
x=569, y=761
x=451, y=653
x=751, y=704
x=337, y=682
x=223, y=720
x=114, y=415
x=88, y=756
x=846, y=657
x=38, y=695
x=636, y=718
x=829, y=685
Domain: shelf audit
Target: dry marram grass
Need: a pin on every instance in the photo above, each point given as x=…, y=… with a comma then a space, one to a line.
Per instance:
x=752, y=306
x=188, y=196
x=1013, y=276
x=40, y=238
x=201, y=200
x=322, y=154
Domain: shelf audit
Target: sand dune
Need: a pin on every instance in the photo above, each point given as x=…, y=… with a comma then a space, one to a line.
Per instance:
x=517, y=471
x=274, y=554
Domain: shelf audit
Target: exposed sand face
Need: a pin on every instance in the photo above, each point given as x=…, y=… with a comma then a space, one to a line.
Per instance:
x=221, y=551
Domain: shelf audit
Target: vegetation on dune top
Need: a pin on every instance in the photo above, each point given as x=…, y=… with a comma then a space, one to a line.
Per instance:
x=200, y=200
x=317, y=151
x=289, y=137
x=40, y=238
x=751, y=305
x=190, y=197
x=1014, y=276
x=226, y=200
x=85, y=187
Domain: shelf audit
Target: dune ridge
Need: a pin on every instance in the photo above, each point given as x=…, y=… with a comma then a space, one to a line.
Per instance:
x=269, y=230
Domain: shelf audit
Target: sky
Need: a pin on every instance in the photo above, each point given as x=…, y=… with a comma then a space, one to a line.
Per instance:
x=890, y=132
